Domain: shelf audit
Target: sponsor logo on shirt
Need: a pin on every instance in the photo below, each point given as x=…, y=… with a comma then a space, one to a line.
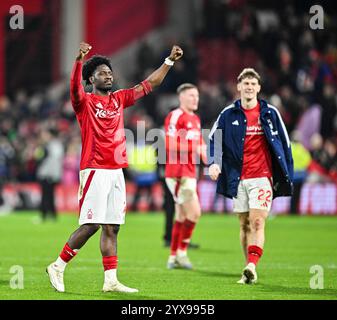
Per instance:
x=106, y=113
x=254, y=130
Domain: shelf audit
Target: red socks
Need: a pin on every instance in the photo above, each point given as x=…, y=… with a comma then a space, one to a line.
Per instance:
x=67, y=253
x=186, y=234
x=254, y=254
x=175, y=237
x=181, y=235
x=110, y=262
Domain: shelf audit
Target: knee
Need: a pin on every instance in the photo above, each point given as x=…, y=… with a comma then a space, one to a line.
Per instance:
x=94, y=228
x=115, y=228
x=91, y=228
x=257, y=224
x=195, y=216
x=111, y=229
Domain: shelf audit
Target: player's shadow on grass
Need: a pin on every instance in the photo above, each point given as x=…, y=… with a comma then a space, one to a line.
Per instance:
x=218, y=274
x=4, y=283
x=298, y=291
x=213, y=251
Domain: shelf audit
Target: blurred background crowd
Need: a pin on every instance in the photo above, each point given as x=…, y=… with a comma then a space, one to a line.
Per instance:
x=298, y=67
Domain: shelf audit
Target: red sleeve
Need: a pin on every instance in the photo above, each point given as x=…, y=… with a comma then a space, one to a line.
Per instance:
x=147, y=88
x=128, y=97
x=77, y=94
x=125, y=97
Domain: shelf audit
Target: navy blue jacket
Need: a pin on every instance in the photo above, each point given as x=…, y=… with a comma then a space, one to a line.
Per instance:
x=226, y=148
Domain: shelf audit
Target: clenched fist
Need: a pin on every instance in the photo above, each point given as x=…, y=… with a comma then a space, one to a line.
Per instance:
x=214, y=171
x=84, y=50
x=176, y=53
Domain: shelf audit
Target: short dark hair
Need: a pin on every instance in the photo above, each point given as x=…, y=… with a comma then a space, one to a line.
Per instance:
x=91, y=64
x=249, y=73
x=186, y=86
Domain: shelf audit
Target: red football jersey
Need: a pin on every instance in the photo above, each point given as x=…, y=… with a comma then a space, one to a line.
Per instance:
x=256, y=155
x=183, y=136
x=101, y=120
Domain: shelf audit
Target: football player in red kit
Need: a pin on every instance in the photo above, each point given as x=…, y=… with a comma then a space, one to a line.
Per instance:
x=102, y=196
x=184, y=145
x=252, y=163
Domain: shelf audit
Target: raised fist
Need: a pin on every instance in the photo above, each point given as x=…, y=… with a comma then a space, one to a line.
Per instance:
x=176, y=53
x=84, y=50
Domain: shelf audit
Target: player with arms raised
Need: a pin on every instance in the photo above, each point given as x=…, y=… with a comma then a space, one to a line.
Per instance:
x=102, y=196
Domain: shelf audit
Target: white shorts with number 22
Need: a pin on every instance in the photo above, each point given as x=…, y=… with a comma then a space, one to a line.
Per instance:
x=256, y=193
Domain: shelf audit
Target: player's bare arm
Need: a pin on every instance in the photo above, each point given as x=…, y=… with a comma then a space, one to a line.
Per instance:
x=157, y=77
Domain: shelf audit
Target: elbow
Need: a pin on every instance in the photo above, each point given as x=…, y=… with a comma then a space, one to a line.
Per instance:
x=154, y=84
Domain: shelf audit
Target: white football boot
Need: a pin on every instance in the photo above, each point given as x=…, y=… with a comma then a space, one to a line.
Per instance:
x=171, y=262
x=184, y=262
x=243, y=280
x=250, y=273
x=116, y=286
x=55, y=277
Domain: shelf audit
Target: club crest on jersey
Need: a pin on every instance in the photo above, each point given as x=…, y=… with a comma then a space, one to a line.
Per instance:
x=89, y=214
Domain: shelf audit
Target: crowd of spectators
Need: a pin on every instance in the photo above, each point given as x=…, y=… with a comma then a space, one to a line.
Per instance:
x=298, y=67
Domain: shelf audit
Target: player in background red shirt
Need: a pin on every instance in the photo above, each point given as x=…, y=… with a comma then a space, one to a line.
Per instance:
x=184, y=144
x=102, y=196
x=255, y=193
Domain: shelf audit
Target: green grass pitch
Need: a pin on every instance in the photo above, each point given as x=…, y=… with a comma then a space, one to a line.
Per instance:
x=293, y=245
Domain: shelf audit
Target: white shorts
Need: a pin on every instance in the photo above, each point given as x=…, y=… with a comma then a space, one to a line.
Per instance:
x=183, y=189
x=256, y=193
x=102, y=196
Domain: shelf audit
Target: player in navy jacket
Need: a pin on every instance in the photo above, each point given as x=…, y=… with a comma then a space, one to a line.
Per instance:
x=252, y=163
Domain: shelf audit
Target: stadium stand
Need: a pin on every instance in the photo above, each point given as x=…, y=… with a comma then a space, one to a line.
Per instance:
x=298, y=68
